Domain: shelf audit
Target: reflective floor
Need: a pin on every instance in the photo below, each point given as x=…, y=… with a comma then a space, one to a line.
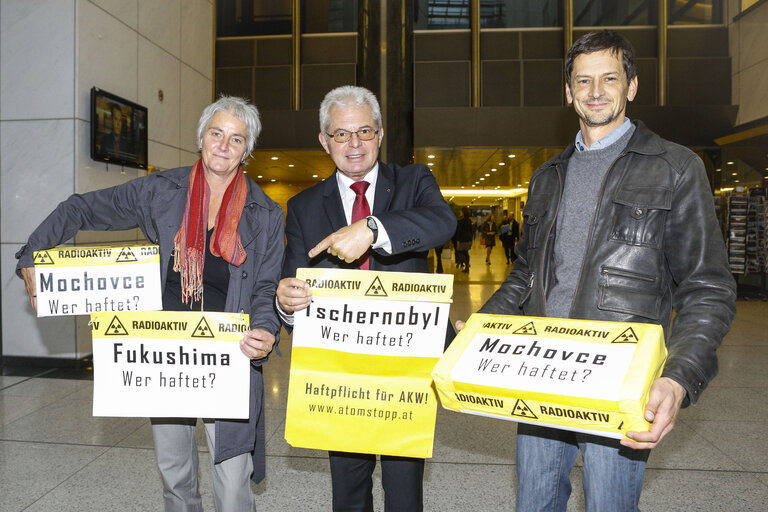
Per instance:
x=54, y=456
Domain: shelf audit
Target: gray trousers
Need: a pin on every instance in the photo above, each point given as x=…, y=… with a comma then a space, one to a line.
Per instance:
x=177, y=460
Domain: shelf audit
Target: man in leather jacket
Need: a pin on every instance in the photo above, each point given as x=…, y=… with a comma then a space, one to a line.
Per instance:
x=618, y=227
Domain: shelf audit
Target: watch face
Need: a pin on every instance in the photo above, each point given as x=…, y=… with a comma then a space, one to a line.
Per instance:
x=373, y=227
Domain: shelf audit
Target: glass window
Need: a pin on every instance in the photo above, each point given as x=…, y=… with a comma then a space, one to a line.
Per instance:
x=321, y=16
x=445, y=14
x=253, y=17
x=521, y=13
x=441, y=14
x=614, y=13
x=702, y=12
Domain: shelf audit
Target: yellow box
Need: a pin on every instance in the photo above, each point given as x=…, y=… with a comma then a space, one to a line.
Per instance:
x=581, y=375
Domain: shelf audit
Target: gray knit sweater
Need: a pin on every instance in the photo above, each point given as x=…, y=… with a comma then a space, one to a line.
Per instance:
x=583, y=181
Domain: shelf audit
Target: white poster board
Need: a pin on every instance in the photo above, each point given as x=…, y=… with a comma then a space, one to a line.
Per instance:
x=170, y=364
x=85, y=280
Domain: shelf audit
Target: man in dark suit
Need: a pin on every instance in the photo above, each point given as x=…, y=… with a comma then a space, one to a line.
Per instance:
x=367, y=215
x=116, y=143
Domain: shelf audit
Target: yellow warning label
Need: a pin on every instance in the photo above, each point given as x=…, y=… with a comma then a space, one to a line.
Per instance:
x=588, y=376
x=170, y=325
x=42, y=258
x=359, y=284
x=80, y=256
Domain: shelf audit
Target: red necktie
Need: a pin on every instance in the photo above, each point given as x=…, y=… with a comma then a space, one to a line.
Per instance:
x=360, y=210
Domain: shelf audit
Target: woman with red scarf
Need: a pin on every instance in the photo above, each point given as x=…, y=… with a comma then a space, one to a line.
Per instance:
x=221, y=249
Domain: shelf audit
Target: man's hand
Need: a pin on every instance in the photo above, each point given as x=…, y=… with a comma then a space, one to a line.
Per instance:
x=348, y=243
x=28, y=273
x=257, y=344
x=293, y=295
x=663, y=407
x=460, y=325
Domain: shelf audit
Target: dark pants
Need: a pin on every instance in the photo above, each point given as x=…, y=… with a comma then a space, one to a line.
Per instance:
x=509, y=251
x=352, y=483
x=439, y=260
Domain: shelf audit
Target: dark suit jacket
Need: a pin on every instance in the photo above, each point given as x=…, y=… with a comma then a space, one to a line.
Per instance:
x=108, y=145
x=407, y=202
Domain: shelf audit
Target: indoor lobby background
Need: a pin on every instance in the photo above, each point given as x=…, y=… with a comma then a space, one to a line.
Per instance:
x=472, y=88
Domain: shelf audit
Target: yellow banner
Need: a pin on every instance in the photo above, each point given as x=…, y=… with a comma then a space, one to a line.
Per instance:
x=363, y=284
x=360, y=364
x=581, y=375
x=86, y=256
x=170, y=325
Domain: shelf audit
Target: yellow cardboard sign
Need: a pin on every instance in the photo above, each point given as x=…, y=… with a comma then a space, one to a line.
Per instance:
x=170, y=364
x=81, y=256
x=361, y=360
x=581, y=375
x=83, y=280
x=356, y=284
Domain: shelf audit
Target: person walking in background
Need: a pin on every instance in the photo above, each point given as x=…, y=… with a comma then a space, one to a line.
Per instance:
x=507, y=242
x=515, y=234
x=488, y=231
x=439, y=259
x=463, y=239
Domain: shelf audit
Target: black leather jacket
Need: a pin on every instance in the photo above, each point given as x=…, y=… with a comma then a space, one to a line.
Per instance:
x=654, y=245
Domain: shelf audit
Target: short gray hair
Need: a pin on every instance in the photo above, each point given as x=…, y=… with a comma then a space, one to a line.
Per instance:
x=238, y=107
x=348, y=96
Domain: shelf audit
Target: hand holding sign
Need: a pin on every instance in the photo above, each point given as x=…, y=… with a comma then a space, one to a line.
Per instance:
x=664, y=403
x=257, y=343
x=293, y=295
x=28, y=273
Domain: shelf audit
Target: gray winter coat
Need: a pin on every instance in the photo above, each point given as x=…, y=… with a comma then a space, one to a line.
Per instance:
x=155, y=205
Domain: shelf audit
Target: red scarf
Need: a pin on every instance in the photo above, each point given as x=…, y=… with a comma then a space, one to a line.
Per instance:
x=189, y=243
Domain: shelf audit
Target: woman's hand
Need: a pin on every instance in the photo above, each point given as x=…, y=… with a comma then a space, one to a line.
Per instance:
x=28, y=273
x=257, y=344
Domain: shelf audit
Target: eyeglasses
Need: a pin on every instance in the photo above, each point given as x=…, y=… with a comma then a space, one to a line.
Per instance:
x=364, y=134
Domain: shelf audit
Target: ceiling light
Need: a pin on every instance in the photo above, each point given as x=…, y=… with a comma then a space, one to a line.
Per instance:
x=493, y=170
x=274, y=158
x=290, y=165
x=734, y=174
x=718, y=170
x=430, y=156
x=273, y=180
x=487, y=174
x=729, y=163
x=482, y=179
x=314, y=175
x=259, y=176
x=502, y=163
x=430, y=164
x=510, y=156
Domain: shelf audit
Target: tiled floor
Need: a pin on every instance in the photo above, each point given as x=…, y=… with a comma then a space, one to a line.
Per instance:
x=54, y=456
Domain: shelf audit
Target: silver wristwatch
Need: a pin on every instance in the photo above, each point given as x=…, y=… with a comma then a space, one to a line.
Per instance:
x=373, y=227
